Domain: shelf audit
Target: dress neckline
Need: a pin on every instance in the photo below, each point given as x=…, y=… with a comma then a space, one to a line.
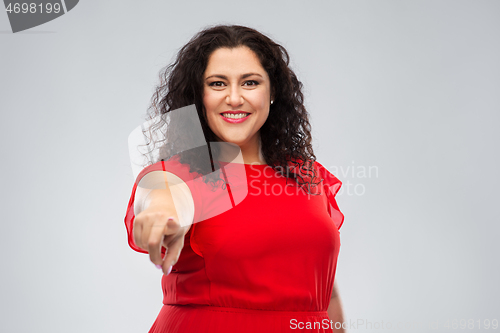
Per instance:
x=249, y=164
x=246, y=164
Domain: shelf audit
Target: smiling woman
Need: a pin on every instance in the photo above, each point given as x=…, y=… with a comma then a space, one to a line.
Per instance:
x=237, y=96
x=256, y=252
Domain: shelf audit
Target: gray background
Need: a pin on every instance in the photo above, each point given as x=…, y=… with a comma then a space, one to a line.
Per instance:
x=408, y=87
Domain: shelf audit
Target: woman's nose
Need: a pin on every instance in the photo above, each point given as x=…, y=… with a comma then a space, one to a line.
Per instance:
x=235, y=98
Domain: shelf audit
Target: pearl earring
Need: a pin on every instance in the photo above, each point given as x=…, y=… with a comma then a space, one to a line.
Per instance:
x=272, y=102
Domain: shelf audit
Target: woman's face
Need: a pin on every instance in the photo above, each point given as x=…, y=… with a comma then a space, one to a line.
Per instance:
x=236, y=96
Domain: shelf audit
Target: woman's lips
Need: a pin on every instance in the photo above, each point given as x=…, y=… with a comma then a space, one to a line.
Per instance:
x=235, y=120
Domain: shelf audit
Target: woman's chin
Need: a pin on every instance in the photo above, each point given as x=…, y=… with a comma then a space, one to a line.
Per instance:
x=234, y=141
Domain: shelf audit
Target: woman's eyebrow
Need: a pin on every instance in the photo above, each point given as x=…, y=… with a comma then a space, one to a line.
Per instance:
x=243, y=76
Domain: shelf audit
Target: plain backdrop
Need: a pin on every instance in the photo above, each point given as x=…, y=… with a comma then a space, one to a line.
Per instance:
x=409, y=90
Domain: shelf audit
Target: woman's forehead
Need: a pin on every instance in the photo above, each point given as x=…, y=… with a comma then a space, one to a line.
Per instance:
x=236, y=61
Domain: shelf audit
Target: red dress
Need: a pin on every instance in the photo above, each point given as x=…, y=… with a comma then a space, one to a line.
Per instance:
x=267, y=264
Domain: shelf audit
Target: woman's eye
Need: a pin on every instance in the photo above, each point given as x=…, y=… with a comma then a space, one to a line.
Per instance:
x=251, y=83
x=216, y=84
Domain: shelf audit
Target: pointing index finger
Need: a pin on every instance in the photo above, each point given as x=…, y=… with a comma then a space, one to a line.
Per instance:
x=156, y=239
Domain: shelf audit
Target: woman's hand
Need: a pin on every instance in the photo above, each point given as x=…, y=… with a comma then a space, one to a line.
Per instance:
x=158, y=226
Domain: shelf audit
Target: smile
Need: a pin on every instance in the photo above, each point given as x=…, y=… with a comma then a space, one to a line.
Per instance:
x=235, y=117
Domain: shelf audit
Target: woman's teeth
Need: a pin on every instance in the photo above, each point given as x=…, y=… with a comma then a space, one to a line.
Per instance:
x=235, y=116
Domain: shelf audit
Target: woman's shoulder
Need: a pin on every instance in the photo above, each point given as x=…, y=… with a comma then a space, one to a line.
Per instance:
x=315, y=174
x=172, y=165
x=328, y=178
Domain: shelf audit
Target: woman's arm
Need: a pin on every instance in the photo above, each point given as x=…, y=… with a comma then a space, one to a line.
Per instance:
x=335, y=310
x=164, y=211
x=176, y=191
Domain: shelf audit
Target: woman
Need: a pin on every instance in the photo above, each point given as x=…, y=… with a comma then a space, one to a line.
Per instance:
x=263, y=261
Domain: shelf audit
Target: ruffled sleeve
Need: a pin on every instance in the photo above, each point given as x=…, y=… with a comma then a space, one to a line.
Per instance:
x=331, y=186
x=178, y=169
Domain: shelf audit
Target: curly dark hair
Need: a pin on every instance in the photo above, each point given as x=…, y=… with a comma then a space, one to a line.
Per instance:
x=286, y=134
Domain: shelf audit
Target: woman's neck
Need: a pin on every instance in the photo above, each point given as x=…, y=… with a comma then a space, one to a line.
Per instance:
x=250, y=153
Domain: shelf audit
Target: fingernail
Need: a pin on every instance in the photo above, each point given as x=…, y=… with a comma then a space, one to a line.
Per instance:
x=158, y=266
x=169, y=270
